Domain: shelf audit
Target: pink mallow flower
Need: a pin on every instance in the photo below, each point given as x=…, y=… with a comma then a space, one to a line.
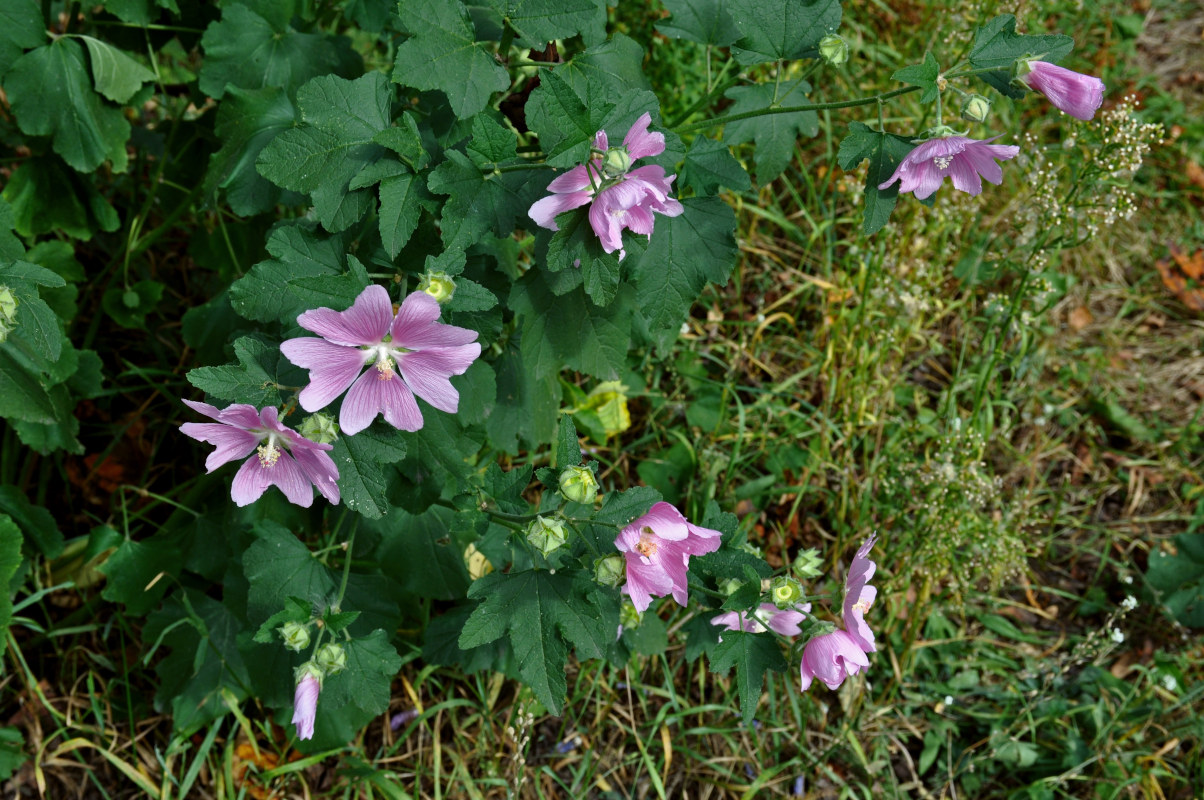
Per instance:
x=1078, y=95
x=622, y=197
x=305, y=703
x=410, y=354
x=285, y=458
x=834, y=656
x=783, y=621
x=965, y=160
x=658, y=547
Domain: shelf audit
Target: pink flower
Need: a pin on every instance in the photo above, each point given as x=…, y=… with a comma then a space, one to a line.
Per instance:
x=658, y=547
x=1078, y=95
x=783, y=621
x=411, y=354
x=963, y=159
x=858, y=596
x=831, y=657
x=305, y=705
x=285, y=459
x=622, y=197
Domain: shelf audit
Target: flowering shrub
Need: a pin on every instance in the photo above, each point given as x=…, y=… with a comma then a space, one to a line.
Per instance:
x=456, y=257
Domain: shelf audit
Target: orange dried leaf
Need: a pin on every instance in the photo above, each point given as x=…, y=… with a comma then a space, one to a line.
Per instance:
x=1176, y=277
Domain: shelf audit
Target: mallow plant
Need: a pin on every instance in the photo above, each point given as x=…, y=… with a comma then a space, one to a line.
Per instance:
x=498, y=212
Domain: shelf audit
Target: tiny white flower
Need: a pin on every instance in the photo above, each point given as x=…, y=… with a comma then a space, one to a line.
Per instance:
x=1118, y=635
x=1129, y=603
x=1126, y=579
x=1169, y=683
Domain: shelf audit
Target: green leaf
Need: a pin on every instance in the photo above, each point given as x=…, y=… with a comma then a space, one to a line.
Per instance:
x=270, y=292
x=246, y=51
x=11, y=248
x=997, y=45
x=923, y=75
x=295, y=610
x=46, y=196
x=21, y=27
x=621, y=508
x=35, y=522
x=12, y=750
x=541, y=613
x=702, y=21
x=252, y=380
x=21, y=394
x=576, y=246
x=710, y=165
x=481, y=203
x=443, y=54
x=526, y=408
x=128, y=307
x=571, y=329
x=51, y=95
x=539, y=21
x=417, y=552
x=781, y=29
x=247, y=120
x=278, y=567
x=884, y=152
x=683, y=253
x=1178, y=578
x=10, y=559
x=116, y=75
x=609, y=69
x=405, y=141
x=752, y=654
x=401, y=199
x=138, y=573
x=359, y=458
x=568, y=448
x=774, y=134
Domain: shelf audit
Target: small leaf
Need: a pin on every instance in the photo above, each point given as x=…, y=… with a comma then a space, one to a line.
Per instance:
x=252, y=380
x=710, y=165
x=775, y=134
x=117, y=76
x=923, y=75
x=752, y=654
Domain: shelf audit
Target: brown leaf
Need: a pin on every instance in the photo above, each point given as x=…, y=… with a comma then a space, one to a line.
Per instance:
x=1195, y=173
x=1183, y=277
x=1080, y=318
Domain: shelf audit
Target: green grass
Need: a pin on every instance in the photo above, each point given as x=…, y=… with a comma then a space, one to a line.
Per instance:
x=1023, y=450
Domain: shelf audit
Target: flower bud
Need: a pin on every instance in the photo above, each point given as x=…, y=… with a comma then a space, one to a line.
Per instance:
x=834, y=49
x=295, y=636
x=320, y=428
x=546, y=535
x=808, y=564
x=438, y=285
x=8, y=304
x=730, y=586
x=610, y=570
x=309, y=669
x=785, y=592
x=976, y=108
x=616, y=162
x=629, y=617
x=578, y=484
x=331, y=658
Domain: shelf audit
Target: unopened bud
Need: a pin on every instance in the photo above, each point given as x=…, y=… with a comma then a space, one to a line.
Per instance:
x=976, y=108
x=785, y=592
x=309, y=669
x=546, y=535
x=730, y=586
x=320, y=428
x=629, y=617
x=8, y=312
x=808, y=564
x=438, y=285
x=616, y=162
x=610, y=570
x=295, y=636
x=331, y=658
x=578, y=484
x=834, y=49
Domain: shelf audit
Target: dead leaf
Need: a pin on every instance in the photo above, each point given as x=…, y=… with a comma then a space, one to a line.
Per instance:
x=1183, y=277
x=1195, y=173
x=1080, y=318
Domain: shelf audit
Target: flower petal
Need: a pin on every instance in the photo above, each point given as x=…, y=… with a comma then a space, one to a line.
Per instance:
x=545, y=211
x=320, y=470
x=332, y=368
x=427, y=372
x=575, y=180
x=640, y=143
x=365, y=323
x=232, y=443
x=373, y=394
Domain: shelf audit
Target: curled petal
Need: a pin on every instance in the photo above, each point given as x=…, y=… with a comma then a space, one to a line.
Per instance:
x=545, y=210
x=640, y=143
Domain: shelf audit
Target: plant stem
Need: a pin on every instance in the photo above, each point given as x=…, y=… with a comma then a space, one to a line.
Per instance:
x=864, y=101
x=338, y=603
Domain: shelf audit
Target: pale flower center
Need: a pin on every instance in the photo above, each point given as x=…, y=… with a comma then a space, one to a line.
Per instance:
x=269, y=453
x=862, y=606
x=647, y=545
x=942, y=162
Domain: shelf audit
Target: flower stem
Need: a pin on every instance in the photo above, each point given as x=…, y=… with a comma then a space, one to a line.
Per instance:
x=864, y=101
x=338, y=603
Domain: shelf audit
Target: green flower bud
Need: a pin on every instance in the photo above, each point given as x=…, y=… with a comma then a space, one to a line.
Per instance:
x=730, y=586
x=785, y=592
x=834, y=49
x=8, y=304
x=578, y=484
x=546, y=535
x=295, y=636
x=331, y=658
x=5, y=329
x=610, y=570
x=320, y=428
x=438, y=285
x=629, y=618
x=310, y=669
x=976, y=108
x=808, y=564
x=616, y=162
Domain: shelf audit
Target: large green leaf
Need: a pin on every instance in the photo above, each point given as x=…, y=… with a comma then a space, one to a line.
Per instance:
x=253, y=380
x=774, y=134
x=710, y=165
x=702, y=21
x=247, y=120
x=571, y=330
x=245, y=50
x=272, y=290
x=417, y=552
x=51, y=95
x=115, y=74
x=140, y=572
x=360, y=459
x=21, y=27
x=539, y=21
x=443, y=54
x=777, y=29
x=34, y=521
x=541, y=613
x=351, y=698
x=46, y=196
x=752, y=654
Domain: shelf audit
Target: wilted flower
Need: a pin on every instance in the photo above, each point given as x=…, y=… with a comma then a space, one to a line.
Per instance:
x=621, y=197
x=831, y=657
x=305, y=699
x=410, y=353
x=285, y=459
x=578, y=484
x=658, y=547
x=965, y=160
x=783, y=621
x=1078, y=95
